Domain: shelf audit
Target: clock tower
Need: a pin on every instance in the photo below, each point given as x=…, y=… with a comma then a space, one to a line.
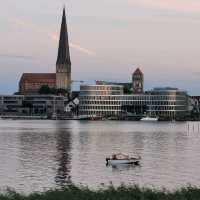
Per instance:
x=138, y=81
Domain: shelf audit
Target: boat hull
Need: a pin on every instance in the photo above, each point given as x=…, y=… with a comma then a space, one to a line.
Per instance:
x=122, y=161
x=149, y=119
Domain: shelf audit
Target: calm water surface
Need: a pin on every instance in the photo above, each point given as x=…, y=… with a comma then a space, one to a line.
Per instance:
x=38, y=155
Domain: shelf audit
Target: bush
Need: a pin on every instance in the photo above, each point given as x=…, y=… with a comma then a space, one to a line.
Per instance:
x=72, y=192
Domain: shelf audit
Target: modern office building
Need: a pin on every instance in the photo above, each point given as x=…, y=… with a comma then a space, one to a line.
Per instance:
x=109, y=100
x=11, y=104
x=16, y=105
x=100, y=100
x=195, y=107
x=168, y=102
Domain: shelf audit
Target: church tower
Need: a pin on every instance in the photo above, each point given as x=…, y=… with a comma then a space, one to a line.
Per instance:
x=138, y=81
x=63, y=63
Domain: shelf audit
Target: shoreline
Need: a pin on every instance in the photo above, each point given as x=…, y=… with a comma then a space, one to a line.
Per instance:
x=80, y=118
x=134, y=192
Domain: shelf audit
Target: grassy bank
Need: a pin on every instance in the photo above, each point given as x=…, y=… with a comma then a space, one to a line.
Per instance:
x=122, y=192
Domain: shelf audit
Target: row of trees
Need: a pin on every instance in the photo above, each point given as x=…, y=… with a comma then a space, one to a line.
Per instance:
x=45, y=89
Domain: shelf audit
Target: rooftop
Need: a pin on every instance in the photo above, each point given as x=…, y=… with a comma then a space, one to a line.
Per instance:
x=39, y=77
x=138, y=71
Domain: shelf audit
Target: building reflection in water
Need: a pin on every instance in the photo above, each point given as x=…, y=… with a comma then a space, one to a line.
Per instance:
x=63, y=157
x=45, y=156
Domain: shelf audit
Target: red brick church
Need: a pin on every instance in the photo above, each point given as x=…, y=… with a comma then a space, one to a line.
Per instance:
x=30, y=83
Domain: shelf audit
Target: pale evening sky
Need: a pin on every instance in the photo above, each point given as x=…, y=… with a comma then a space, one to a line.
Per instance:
x=109, y=39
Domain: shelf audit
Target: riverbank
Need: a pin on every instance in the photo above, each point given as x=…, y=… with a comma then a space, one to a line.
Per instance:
x=132, y=192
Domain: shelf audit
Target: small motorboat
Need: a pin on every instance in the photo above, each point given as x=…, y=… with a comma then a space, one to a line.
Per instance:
x=120, y=158
x=149, y=119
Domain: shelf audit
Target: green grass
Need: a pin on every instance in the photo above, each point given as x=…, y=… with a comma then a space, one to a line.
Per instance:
x=123, y=192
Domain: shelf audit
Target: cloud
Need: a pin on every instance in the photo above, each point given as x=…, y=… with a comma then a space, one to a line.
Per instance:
x=52, y=36
x=13, y=56
x=175, y=5
x=81, y=49
x=75, y=46
x=26, y=24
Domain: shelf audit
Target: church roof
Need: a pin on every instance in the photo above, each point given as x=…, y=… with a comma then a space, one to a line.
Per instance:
x=138, y=71
x=63, y=49
x=39, y=77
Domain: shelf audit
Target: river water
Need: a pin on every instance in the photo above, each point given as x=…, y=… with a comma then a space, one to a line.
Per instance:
x=38, y=155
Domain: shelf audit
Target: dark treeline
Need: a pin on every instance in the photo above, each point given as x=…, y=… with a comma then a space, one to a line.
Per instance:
x=123, y=192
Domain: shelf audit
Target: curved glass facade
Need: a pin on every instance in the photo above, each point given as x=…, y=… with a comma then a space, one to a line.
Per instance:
x=168, y=102
x=107, y=100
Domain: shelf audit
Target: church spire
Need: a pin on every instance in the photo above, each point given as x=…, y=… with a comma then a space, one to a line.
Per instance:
x=63, y=63
x=63, y=49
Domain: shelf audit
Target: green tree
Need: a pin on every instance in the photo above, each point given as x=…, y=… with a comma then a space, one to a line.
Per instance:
x=61, y=91
x=127, y=90
x=44, y=89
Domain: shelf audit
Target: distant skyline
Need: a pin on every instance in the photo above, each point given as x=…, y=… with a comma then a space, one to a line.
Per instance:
x=109, y=39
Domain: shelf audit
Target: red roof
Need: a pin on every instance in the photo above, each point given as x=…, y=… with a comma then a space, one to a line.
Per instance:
x=138, y=71
x=39, y=77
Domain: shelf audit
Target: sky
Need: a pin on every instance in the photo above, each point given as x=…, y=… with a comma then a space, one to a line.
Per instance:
x=109, y=39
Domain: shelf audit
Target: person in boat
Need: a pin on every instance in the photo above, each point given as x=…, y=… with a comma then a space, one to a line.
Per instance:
x=114, y=157
x=119, y=156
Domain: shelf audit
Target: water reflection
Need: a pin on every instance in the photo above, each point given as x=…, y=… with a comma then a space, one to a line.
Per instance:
x=63, y=156
x=37, y=155
x=36, y=159
x=44, y=157
x=122, y=167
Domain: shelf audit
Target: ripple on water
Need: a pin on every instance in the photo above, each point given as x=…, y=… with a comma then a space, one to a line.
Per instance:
x=37, y=155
